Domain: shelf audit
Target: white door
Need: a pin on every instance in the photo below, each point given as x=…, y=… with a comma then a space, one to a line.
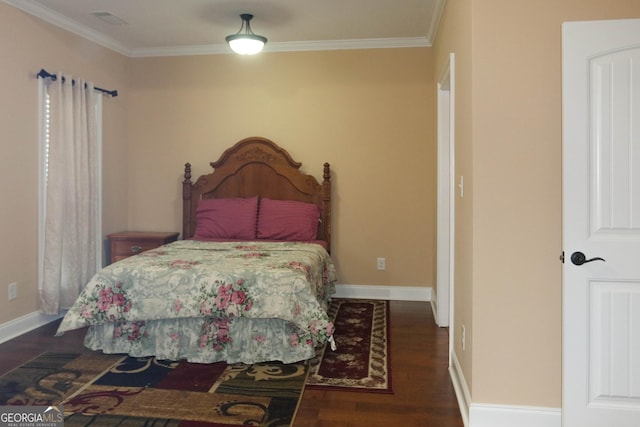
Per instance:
x=601, y=218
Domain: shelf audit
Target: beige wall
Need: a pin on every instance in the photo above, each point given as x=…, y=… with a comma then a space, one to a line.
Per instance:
x=513, y=297
x=369, y=113
x=27, y=45
x=455, y=36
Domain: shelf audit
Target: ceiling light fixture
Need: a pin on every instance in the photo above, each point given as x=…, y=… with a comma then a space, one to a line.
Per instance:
x=245, y=42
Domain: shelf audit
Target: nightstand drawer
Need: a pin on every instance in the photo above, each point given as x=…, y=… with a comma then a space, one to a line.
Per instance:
x=128, y=243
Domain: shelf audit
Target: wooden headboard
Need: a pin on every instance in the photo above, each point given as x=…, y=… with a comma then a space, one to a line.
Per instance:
x=256, y=166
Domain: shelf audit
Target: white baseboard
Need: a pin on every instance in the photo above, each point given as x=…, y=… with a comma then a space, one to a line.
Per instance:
x=484, y=415
x=487, y=415
x=395, y=293
x=24, y=324
x=461, y=388
x=434, y=309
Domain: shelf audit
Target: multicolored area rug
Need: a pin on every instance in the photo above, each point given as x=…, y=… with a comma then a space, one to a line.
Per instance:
x=361, y=361
x=104, y=390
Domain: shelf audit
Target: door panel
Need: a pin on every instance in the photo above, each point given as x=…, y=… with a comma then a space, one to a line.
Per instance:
x=615, y=202
x=601, y=218
x=614, y=370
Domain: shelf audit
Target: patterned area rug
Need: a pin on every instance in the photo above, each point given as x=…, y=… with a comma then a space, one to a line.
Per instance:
x=361, y=361
x=106, y=390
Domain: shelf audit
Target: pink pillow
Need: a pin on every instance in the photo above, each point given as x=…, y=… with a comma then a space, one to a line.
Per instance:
x=287, y=220
x=226, y=218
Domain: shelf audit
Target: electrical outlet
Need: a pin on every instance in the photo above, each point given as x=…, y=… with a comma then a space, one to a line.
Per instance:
x=463, y=338
x=381, y=263
x=13, y=291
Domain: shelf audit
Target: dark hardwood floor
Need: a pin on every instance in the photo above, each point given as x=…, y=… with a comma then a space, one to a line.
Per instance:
x=423, y=394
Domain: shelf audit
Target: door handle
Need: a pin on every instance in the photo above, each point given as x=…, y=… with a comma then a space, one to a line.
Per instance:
x=578, y=258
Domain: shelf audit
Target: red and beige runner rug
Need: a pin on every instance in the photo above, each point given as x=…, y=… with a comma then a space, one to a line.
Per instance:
x=361, y=361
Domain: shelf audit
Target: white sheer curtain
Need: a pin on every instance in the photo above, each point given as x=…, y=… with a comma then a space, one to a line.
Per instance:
x=71, y=199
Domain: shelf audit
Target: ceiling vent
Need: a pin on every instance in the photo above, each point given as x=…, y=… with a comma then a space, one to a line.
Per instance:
x=110, y=18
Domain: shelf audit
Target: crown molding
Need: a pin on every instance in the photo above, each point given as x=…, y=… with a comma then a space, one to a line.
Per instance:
x=349, y=44
x=286, y=47
x=54, y=18
x=436, y=18
x=36, y=9
x=181, y=51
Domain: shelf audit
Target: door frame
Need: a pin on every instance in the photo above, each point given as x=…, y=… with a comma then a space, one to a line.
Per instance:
x=444, y=304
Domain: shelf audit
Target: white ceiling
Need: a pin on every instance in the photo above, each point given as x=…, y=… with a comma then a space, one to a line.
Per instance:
x=187, y=27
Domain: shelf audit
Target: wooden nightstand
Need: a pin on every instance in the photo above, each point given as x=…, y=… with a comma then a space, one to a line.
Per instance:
x=128, y=243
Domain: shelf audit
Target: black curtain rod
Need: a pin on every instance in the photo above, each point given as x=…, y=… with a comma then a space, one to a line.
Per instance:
x=45, y=74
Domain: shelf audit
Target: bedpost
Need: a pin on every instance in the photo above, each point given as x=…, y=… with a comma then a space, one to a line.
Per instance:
x=187, y=232
x=326, y=204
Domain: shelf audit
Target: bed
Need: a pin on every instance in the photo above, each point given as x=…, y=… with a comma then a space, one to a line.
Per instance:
x=250, y=281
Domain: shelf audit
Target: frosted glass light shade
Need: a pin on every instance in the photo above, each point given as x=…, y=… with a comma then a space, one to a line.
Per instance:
x=246, y=44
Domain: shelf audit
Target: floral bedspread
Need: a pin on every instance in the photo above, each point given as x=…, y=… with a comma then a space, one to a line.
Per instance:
x=206, y=302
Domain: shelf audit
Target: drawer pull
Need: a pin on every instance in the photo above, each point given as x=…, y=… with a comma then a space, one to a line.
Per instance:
x=135, y=249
